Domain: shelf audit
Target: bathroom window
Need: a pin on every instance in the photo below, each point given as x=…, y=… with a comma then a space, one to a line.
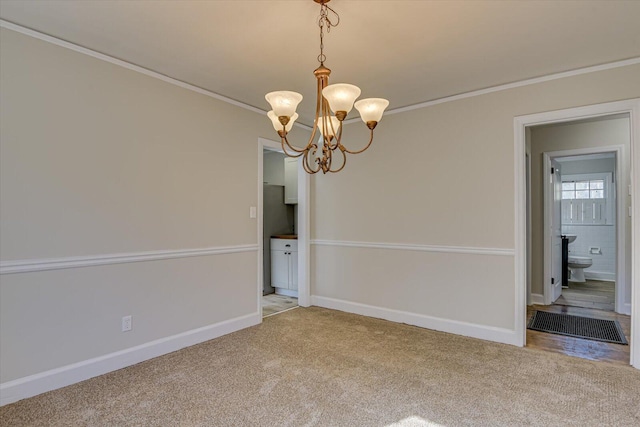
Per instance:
x=588, y=199
x=592, y=189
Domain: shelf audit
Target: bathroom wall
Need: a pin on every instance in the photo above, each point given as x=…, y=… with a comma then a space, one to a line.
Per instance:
x=593, y=235
x=602, y=236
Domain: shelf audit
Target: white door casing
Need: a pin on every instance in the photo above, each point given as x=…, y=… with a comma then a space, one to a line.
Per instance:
x=552, y=188
x=555, y=280
x=520, y=124
x=303, y=254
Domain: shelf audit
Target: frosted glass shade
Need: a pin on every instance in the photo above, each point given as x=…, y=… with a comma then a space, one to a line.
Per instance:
x=276, y=123
x=371, y=109
x=330, y=131
x=341, y=96
x=283, y=103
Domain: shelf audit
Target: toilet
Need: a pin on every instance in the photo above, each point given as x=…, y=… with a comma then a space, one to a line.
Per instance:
x=576, y=265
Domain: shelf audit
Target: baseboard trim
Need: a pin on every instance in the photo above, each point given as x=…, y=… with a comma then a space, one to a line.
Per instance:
x=488, y=333
x=31, y=265
x=626, y=309
x=419, y=248
x=597, y=275
x=537, y=299
x=25, y=387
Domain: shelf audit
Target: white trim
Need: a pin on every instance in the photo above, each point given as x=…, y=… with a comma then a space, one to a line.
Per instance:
x=520, y=233
x=605, y=277
x=412, y=247
x=490, y=333
x=537, y=299
x=133, y=67
x=520, y=123
x=626, y=309
x=31, y=265
x=304, y=237
x=22, y=388
x=188, y=86
x=548, y=194
x=529, y=259
x=527, y=82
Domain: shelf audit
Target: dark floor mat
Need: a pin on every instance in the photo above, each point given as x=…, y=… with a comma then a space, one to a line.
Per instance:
x=577, y=326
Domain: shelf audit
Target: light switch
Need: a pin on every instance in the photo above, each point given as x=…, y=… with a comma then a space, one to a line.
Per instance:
x=252, y=212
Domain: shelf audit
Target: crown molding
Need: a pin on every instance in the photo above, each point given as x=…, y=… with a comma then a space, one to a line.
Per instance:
x=77, y=48
x=133, y=67
x=527, y=82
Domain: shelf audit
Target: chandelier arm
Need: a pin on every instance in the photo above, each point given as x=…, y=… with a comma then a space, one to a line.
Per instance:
x=305, y=164
x=313, y=132
x=338, y=138
x=342, y=147
x=283, y=141
x=344, y=161
x=305, y=161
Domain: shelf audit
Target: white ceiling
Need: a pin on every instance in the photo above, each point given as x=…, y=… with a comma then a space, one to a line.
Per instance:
x=407, y=51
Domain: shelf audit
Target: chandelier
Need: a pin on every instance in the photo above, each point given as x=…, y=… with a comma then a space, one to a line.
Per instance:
x=336, y=98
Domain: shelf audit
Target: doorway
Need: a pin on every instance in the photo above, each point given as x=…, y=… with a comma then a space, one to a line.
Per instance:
x=530, y=248
x=593, y=239
x=283, y=224
x=584, y=215
x=583, y=238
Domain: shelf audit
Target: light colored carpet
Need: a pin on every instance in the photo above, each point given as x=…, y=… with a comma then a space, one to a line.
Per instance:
x=318, y=367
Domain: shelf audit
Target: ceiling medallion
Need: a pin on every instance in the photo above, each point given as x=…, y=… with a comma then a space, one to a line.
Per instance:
x=337, y=98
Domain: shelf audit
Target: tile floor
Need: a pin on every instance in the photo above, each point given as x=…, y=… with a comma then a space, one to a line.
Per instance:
x=272, y=304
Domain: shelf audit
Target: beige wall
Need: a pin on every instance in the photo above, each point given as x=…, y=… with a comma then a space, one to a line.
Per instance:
x=98, y=160
x=443, y=176
x=600, y=133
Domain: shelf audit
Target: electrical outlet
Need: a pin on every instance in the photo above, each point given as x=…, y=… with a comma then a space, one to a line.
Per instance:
x=252, y=212
x=126, y=323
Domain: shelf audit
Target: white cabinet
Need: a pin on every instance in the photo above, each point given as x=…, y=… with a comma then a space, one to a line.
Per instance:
x=290, y=181
x=284, y=264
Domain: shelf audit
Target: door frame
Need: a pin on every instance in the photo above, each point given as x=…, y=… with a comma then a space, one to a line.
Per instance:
x=520, y=124
x=304, y=290
x=621, y=223
x=548, y=201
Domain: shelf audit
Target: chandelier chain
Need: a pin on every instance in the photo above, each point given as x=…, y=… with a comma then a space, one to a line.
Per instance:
x=325, y=20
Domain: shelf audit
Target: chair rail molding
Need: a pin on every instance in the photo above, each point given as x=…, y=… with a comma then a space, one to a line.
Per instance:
x=31, y=265
x=414, y=247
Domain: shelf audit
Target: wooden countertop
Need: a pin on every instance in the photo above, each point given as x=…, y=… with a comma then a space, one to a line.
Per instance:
x=284, y=236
